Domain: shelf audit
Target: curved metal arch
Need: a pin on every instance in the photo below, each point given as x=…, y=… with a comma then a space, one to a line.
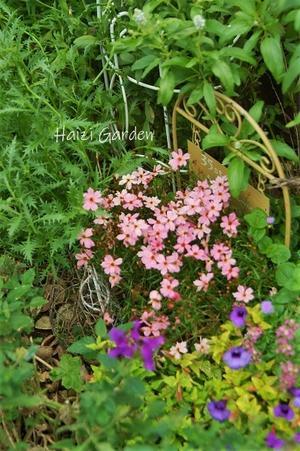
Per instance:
x=233, y=112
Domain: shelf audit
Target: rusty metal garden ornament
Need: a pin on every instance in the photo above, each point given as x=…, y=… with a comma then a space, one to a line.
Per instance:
x=267, y=169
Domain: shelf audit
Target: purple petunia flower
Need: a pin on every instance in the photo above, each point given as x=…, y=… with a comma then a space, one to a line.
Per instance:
x=272, y=441
x=283, y=410
x=267, y=307
x=295, y=391
x=238, y=316
x=297, y=437
x=218, y=410
x=123, y=348
x=126, y=344
x=270, y=220
x=237, y=357
x=148, y=347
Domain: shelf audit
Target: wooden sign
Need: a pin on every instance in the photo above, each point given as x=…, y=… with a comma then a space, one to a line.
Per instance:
x=206, y=166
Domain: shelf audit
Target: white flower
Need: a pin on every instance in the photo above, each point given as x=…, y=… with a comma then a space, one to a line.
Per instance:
x=199, y=21
x=139, y=16
x=203, y=346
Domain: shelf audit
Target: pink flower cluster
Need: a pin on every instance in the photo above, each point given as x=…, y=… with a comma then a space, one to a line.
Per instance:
x=289, y=374
x=251, y=337
x=165, y=236
x=153, y=324
x=284, y=334
x=111, y=267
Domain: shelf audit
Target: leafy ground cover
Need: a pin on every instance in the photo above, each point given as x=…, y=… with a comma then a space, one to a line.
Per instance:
x=138, y=310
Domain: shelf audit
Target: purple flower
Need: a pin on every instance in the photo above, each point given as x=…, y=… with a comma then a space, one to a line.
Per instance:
x=135, y=331
x=126, y=344
x=272, y=441
x=283, y=410
x=267, y=307
x=297, y=437
x=123, y=348
x=295, y=391
x=270, y=220
x=238, y=316
x=237, y=357
x=148, y=347
x=218, y=410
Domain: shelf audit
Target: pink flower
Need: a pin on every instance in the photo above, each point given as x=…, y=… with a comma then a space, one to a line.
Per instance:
x=203, y=282
x=83, y=258
x=111, y=265
x=155, y=299
x=84, y=238
x=151, y=202
x=229, y=224
x=148, y=257
x=131, y=202
x=167, y=288
x=179, y=159
x=107, y=318
x=203, y=346
x=92, y=199
x=243, y=294
x=114, y=279
x=179, y=349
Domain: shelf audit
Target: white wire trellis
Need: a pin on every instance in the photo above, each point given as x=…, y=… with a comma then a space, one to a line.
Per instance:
x=110, y=81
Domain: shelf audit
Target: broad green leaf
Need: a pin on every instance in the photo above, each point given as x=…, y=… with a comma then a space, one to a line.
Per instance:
x=249, y=6
x=271, y=51
x=166, y=87
x=256, y=113
x=294, y=122
x=214, y=139
x=297, y=21
x=240, y=54
x=209, y=96
x=69, y=371
x=177, y=61
x=236, y=176
x=100, y=328
x=144, y=62
x=195, y=95
x=284, y=150
x=85, y=41
x=284, y=273
x=291, y=75
x=285, y=296
x=251, y=43
x=278, y=253
x=293, y=283
x=256, y=219
x=237, y=27
x=222, y=70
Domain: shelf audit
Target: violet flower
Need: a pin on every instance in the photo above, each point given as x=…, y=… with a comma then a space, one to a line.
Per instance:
x=272, y=441
x=123, y=348
x=237, y=357
x=283, y=410
x=238, y=316
x=295, y=391
x=129, y=343
x=270, y=220
x=147, y=348
x=218, y=410
x=267, y=307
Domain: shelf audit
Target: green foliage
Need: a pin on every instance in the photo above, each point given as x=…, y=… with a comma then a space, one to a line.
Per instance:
x=48, y=85
x=69, y=371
